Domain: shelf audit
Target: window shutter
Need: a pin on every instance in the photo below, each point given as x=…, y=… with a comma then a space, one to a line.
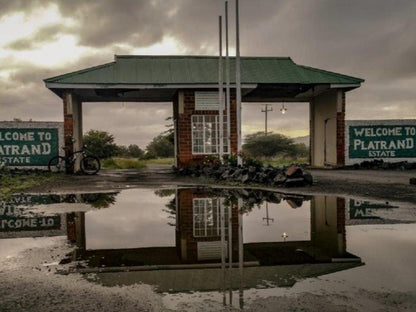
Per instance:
x=207, y=100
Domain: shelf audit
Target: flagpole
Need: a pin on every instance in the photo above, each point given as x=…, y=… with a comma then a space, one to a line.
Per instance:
x=238, y=83
x=220, y=93
x=227, y=80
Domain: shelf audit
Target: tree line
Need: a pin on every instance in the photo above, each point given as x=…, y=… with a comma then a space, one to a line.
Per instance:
x=257, y=145
x=102, y=145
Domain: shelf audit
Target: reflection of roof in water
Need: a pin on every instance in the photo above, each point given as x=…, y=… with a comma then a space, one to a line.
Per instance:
x=211, y=278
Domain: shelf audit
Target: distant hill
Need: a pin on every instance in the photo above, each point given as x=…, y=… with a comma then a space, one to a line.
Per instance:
x=302, y=139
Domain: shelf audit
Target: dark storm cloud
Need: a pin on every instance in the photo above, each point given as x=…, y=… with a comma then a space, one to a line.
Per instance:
x=44, y=35
x=101, y=23
x=12, y=6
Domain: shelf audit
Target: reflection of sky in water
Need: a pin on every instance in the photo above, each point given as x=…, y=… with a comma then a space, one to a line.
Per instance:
x=296, y=222
x=137, y=219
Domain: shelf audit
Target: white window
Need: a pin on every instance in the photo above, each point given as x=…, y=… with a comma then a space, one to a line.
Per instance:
x=207, y=217
x=205, y=134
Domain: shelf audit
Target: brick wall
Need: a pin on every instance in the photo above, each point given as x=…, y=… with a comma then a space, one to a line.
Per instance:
x=184, y=128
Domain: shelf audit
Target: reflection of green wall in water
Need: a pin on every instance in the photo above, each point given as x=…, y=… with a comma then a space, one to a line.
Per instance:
x=14, y=218
x=365, y=209
x=28, y=147
x=14, y=215
x=32, y=223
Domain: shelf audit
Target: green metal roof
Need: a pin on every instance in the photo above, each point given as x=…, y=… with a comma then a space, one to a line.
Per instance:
x=166, y=70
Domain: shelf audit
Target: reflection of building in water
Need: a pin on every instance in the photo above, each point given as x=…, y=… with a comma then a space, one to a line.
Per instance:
x=198, y=232
x=208, y=236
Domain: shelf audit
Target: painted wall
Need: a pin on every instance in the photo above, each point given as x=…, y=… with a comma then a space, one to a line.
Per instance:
x=323, y=114
x=30, y=145
x=389, y=140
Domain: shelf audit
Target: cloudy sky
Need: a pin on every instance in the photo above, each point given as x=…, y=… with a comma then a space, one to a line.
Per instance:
x=370, y=39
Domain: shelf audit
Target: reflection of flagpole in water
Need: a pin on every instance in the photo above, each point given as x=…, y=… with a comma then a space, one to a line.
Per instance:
x=240, y=251
x=223, y=249
x=230, y=250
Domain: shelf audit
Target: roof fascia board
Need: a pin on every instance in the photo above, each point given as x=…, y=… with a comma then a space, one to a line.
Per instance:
x=344, y=85
x=54, y=85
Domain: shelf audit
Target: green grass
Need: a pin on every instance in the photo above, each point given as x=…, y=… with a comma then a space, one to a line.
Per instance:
x=285, y=161
x=160, y=161
x=12, y=183
x=133, y=163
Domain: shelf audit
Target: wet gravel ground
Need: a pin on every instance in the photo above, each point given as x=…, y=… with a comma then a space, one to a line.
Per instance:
x=29, y=283
x=386, y=185
x=27, y=266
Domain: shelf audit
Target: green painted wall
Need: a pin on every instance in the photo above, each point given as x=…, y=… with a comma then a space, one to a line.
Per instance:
x=378, y=141
x=28, y=146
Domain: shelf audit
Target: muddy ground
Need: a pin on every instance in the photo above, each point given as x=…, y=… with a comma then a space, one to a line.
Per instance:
x=386, y=185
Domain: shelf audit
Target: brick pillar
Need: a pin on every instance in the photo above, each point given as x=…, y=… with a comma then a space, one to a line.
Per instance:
x=72, y=126
x=68, y=126
x=341, y=131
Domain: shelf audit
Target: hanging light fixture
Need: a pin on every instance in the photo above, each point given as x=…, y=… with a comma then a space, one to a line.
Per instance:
x=283, y=109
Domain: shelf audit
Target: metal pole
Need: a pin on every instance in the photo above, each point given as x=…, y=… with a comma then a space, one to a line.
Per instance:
x=265, y=110
x=230, y=249
x=238, y=83
x=223, y=249
x=227, y=80
x=220, y=93
x=241, y=252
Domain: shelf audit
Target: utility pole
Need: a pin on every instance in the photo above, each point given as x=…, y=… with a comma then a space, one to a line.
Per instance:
x=265, y=110
x=267, y=218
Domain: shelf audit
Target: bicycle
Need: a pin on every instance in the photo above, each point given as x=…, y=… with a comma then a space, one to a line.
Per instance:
x=89, y=164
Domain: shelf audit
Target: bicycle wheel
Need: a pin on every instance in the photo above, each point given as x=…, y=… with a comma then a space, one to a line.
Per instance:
x=57, y=164
x=90, y=165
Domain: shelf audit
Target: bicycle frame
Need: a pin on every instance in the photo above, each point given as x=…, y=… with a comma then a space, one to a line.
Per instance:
x=72, y=157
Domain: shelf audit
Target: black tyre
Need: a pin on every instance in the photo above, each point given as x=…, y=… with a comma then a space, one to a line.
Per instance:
x=90, y=165
x=57, y=164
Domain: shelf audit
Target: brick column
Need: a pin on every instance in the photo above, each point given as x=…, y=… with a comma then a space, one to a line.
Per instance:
x=68, y=126
x=72, y=126
x=341, y=131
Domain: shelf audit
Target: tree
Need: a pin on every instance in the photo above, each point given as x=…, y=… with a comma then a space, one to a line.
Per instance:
x=100, y=143
x=122, y=151
x=161, y=146
x=260, y=145
x=135, y=151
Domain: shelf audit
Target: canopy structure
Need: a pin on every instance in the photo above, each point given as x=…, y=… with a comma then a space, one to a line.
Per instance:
x=157, y=79
x=181, y=79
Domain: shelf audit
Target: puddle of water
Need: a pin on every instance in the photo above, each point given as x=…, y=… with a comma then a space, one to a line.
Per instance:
x=228, y=245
